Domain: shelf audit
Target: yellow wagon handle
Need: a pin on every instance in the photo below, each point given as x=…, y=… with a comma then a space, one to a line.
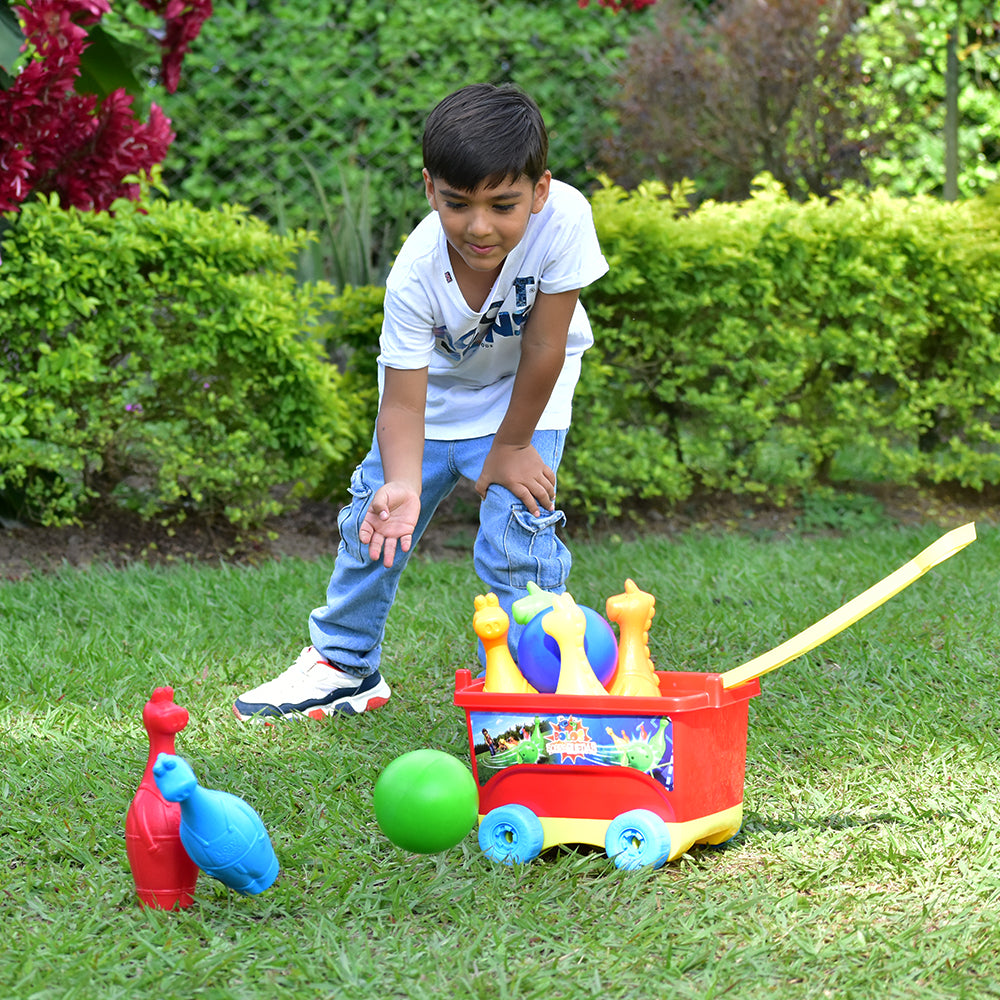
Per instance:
x=944, y=548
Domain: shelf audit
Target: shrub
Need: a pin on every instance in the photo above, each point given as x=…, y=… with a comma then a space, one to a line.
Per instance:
x=747, y=88
x=755, y=343
x=286, y=103
x=349, y=334
x=165, y=360
x=160, y=357
x=754, y=347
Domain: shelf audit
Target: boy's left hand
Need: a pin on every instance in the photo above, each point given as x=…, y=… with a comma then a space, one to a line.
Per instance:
x=520, y=469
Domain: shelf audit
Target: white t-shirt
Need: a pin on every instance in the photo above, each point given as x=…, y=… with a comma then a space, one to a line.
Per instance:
x=472, y=355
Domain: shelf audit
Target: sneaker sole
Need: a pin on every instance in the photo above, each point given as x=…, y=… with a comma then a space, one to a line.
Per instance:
x=348, y=706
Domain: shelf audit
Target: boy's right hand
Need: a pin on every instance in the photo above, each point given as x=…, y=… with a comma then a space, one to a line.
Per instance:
x=390, y=521
x=520, y=469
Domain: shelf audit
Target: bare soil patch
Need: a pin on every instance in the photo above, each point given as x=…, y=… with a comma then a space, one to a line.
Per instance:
x=113, y=537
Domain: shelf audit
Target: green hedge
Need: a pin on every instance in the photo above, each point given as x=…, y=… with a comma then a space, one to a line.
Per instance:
x=771, y=347
x=285, y=103
x=161, y=358
x=752, y=347
x=164, y=360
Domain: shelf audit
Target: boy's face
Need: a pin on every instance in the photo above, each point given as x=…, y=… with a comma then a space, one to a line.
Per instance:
x=484, y=225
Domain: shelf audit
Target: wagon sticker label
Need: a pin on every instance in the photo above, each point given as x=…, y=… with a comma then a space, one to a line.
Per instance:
x=504, y=739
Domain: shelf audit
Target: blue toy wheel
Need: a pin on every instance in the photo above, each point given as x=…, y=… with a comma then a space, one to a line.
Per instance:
x=637, y=839
x=511, y=835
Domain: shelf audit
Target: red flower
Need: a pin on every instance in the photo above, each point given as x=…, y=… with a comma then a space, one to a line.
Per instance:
x=184, y=19
x=617, y=5
x=54, y=139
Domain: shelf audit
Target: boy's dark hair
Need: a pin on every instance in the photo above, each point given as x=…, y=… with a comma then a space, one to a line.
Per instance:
x=485, y=134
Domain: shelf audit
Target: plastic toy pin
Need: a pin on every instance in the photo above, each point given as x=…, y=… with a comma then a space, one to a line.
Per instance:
x=633, y=611
x=536, y=601
x=491, y=624
x=538, y=655
x=566, y=623
x=163, y=872
x=223, y=835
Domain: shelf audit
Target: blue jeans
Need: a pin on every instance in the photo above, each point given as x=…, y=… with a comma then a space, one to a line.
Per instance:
x=512, y=548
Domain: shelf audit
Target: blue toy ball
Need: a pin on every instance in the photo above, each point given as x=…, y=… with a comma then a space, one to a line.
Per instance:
x=538, y=654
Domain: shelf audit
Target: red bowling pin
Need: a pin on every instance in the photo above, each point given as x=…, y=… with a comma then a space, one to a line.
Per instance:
x=164, y=874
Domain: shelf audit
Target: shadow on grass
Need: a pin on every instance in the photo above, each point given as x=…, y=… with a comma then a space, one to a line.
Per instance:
x=756, y=823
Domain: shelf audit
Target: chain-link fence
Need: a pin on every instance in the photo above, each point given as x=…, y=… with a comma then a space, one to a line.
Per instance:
x=311, y=114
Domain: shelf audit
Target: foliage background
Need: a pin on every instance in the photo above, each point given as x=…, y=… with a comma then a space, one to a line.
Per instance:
x=154, y=358
x=283, y=104
x=911, y=61
x=744, y=346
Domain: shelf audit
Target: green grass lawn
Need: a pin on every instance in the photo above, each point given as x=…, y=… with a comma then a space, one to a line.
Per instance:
x=867, y=864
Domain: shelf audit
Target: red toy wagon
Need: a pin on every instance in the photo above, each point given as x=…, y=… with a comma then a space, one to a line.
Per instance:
x=645, y=778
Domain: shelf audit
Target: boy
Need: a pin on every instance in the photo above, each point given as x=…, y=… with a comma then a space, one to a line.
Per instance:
x=480, y=354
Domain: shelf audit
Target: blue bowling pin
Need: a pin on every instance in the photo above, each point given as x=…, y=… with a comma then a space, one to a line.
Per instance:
x=221, y=833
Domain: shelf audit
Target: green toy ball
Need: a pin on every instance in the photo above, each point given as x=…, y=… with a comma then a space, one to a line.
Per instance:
x=426, y=801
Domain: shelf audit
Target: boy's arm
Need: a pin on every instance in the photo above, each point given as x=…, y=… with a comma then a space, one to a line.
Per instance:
x=513, y=462
x=395, y=507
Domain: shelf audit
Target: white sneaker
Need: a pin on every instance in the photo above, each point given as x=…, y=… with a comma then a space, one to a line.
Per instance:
x=313, y=687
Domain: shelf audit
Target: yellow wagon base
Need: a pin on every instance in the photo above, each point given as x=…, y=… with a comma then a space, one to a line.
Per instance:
x=714, y=829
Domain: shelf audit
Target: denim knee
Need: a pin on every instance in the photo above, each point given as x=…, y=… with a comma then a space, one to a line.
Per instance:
x=514, y=547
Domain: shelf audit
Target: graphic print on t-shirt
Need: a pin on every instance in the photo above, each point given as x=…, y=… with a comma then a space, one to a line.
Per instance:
x=493, y=323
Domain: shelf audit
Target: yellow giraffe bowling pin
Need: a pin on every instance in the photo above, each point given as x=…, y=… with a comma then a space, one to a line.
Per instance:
x=633, y=611
x=566, y=623
x=490, y=623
